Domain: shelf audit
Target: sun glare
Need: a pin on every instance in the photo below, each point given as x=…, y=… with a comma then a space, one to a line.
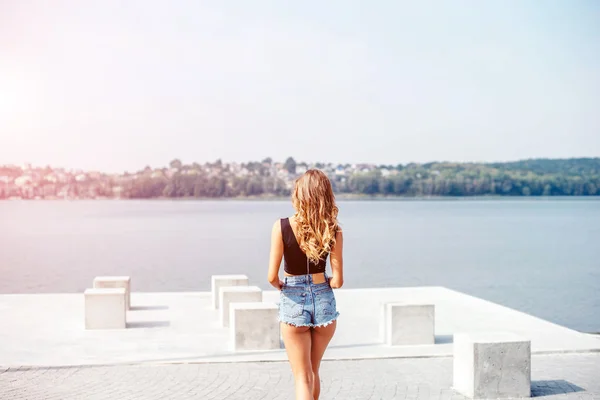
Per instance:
x=8, y=100
x=15, y=95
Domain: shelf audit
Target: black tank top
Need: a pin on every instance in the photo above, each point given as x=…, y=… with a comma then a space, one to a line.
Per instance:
x=294, y=258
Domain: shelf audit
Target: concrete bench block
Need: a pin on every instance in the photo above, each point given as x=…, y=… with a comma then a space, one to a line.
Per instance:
x=218, y=281
x=254, y=326
x=236, y=294
x=105, y=308
x=407, y=324
x=492, y=365
x=111, y=282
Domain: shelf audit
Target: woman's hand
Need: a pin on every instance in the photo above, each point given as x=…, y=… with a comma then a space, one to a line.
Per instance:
x=335, y=282
x=277, y=284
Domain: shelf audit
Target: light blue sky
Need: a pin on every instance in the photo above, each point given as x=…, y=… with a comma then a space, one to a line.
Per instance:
x=115, y=85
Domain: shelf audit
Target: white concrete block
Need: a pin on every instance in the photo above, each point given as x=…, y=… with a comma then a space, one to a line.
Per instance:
x=218, y=281
x=492, y=365
x=105, y=308
x=107, y=282
x=236, y=294
x=254, y=326
x=407, y=324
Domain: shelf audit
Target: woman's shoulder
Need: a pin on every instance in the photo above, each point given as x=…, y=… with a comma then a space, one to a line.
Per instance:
x=281, y=223
x=339, y=233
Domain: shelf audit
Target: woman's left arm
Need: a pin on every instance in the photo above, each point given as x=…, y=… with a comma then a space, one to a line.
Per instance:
x=275, y=256
x=336, y=259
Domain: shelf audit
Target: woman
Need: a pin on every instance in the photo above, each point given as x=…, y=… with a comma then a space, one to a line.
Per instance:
x=307, y=309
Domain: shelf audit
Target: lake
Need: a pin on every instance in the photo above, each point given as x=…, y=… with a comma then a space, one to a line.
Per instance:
x=540, y=256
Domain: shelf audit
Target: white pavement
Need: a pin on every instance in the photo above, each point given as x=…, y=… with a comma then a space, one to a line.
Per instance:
x=48, y=329
x=555, y=377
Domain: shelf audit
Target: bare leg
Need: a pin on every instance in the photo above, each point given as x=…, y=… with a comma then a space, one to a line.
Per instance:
x=297, y=345
x=320, y=339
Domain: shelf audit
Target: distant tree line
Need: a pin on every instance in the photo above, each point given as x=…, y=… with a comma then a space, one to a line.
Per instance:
x=203, y=186
x=572, y=177
x=539, y=177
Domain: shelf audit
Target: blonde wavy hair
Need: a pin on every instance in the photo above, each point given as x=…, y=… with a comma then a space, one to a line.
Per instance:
x=316, y=214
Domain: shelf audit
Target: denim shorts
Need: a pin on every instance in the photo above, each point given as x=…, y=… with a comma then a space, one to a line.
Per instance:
x=304, y=303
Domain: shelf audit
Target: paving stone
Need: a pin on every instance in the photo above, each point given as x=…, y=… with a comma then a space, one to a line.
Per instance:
x=564, y=376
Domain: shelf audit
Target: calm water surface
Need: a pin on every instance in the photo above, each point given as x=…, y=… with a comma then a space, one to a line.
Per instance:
x=538, y=256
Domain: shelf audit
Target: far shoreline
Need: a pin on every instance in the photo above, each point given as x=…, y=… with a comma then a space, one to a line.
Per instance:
x=339, y=197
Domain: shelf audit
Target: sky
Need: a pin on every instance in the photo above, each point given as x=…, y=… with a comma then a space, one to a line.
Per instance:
x=117, y=85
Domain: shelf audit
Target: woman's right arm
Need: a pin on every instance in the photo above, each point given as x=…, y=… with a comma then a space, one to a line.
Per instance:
x=275, y=256
x=337, y=261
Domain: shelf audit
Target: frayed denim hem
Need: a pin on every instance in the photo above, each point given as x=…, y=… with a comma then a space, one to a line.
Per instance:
x=322, y=325
x=331, y=321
